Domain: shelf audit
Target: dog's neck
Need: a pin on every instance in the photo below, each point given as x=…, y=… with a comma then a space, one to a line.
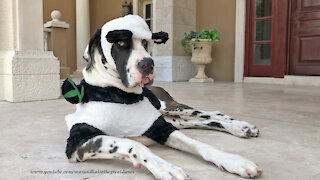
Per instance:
x=104, y=78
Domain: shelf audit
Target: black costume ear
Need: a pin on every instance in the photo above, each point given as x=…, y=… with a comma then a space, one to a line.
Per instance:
x=160, y=37
x=118, y=35
x=95, y=42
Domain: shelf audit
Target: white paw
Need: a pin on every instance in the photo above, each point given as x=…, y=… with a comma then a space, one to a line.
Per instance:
x=165, y=171
x=238, y=165
x=243, y=129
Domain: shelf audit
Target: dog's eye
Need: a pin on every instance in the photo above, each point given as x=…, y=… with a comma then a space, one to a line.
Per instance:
x=121, y=43
x=145, y=44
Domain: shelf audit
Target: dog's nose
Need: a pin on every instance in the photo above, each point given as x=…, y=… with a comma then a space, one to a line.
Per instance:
x=146, y=65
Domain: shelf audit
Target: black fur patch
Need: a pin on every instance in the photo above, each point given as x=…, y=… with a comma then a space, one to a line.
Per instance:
x=206, y=116
x=145, y=44
x=194, y=113
x=95, y=42
x=176, y=116
x=121, y=53
x=79, y=134
x=160, y=130
x=90, y=147
x=113, y=149
x=215, y=124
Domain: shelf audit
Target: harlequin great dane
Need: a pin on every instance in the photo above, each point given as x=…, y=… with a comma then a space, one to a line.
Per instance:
x=117, y=115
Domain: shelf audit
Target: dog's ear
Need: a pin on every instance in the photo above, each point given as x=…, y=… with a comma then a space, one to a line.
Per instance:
x=160, y=37
x=89, y=52
x=118, y=35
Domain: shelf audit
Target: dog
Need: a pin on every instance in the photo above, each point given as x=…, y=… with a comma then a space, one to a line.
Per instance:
x=119, y=113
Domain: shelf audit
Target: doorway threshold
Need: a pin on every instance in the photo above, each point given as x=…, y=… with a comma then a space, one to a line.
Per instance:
x=287, y=80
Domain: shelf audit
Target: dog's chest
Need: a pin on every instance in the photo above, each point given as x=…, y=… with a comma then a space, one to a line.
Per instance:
x=115, y=119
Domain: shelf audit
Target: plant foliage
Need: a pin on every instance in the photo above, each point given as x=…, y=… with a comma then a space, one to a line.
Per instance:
x=211, y=34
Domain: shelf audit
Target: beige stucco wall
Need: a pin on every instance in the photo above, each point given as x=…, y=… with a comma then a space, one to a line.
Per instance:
x=219, y=14
x=102, y=11
x=68, y=10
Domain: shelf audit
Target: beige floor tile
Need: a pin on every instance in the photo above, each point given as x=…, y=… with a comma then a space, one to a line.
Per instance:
x=33, y=134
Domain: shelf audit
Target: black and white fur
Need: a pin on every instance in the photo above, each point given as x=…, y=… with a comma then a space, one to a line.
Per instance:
x=118, y=115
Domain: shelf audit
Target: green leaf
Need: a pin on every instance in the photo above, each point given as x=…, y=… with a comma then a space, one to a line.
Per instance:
x=71, y=94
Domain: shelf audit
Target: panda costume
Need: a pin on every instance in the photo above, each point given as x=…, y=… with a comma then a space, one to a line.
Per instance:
x=106, y=102
x=114, y=109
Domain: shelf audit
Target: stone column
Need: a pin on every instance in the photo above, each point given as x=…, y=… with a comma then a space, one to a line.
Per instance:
x=240, y=40
x=83, y=32
x=135, y=6
x=57, y=41
x=175, y=17
x=27, y=72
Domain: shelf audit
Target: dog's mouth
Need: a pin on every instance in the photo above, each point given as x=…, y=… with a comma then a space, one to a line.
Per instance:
x=147, y=79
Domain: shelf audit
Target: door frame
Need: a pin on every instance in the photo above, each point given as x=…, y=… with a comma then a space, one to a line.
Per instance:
x=280, y=38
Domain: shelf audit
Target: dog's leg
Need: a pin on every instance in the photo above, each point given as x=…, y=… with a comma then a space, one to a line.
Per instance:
x=107, y=147
x=230, y=127
x=171, y=108
x=225, y=161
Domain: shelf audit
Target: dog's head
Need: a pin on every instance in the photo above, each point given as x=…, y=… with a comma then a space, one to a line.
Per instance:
x=125, y=46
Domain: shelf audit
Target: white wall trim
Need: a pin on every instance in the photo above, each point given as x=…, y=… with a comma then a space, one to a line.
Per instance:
x=287, y=80
x=239, y=40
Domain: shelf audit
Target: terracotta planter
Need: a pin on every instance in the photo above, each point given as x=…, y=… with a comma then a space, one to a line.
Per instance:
x=201, y=56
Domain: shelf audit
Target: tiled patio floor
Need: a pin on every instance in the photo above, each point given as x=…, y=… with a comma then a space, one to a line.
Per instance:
x=33, y=135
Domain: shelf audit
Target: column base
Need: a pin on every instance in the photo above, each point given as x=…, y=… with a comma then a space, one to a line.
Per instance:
x=76, y=74
x=29, y=76
x=201, y=80
x=64, y=72
x=174, y=68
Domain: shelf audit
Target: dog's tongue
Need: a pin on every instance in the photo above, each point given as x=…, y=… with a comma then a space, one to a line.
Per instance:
x=148, y=78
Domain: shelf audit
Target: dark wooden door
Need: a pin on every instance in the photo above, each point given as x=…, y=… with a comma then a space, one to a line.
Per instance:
x=305, y=38
x=266, y=38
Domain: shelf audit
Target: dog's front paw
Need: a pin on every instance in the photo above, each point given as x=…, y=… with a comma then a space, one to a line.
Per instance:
x=238, y=165
x=165, y=171
x=243, y=129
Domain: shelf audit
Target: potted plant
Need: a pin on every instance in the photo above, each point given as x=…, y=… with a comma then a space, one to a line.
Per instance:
x=200, y=44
